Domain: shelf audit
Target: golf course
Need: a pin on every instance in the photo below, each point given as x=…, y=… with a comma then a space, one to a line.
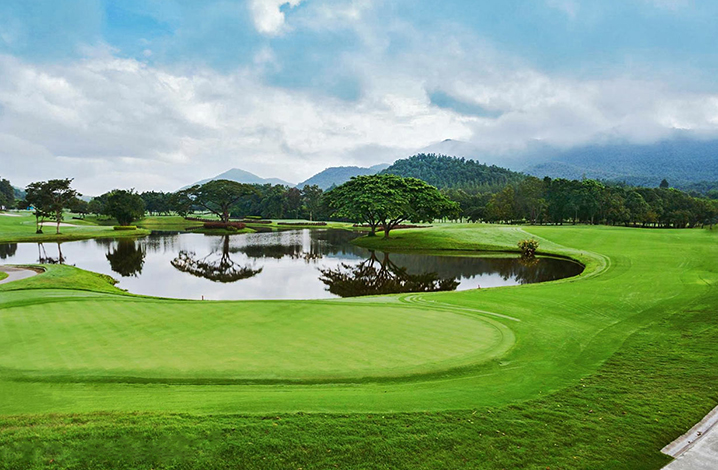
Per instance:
x=600, y=370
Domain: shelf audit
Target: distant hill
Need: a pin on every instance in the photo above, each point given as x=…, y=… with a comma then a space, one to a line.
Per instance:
x=19, y=193
x=337, y=175
x=451, y=172
x=680, y=161
x=241, y=176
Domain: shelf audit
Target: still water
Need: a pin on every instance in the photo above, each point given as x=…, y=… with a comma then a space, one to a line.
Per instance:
x=297, y=264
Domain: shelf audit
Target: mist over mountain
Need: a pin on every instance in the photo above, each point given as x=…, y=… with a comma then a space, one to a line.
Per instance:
x=683, y=161
x=336, y=175
x=680, y=161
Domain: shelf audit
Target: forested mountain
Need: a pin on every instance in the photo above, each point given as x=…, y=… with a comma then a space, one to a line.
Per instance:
x=680, y=161
x=703, y=188
x=336, y=175
x=241, y=176
x=452, y=172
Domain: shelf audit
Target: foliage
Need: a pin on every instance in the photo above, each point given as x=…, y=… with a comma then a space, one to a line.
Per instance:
x=50, y=199
x=7, y=194
x=124, y=205
x=219, y=196
x=81, y=207
x=157, y=202
x=528, y=247
x=124, y=227
x=588, y=201
x=452, y=172
x=388, y=200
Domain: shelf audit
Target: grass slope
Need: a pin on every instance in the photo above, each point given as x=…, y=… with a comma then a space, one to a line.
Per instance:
x=22, y=229
x=603, y=369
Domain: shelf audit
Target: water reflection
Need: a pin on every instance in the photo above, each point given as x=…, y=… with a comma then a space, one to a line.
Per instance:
x=216, y=266
x=127, y=258
x=44, y=258
x=297, y=264
x=8, y=250
x=373, y=277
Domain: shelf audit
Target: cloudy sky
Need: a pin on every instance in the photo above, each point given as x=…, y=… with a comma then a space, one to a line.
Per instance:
x=157, y=94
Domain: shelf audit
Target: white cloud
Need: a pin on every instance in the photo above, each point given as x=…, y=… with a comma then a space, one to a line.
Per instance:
x=268, y=16
x=113, y=122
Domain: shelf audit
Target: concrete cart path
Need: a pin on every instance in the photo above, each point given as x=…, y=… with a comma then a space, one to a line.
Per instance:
x=698, y=448
x=15, y=274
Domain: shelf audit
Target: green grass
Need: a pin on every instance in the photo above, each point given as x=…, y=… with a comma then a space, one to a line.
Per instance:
x=599, y=371
x=3, y=275
x=22, y=229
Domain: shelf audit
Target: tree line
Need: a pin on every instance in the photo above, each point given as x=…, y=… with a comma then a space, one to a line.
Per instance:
x=559, y=201
x=518, y=200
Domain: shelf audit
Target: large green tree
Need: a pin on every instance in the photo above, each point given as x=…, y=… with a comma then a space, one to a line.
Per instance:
x=50, y=199
x=124, y=205
x=312, y=200
x=389, y=200
x=219, y=196
x=7, y=194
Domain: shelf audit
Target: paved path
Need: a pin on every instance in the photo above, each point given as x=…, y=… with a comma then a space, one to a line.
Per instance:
x=698, y=448
x=15, y=274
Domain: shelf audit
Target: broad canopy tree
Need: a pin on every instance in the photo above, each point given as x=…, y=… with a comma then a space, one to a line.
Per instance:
x=50, y=199
x=124, y=205
x=388, y=200
x=218, y=196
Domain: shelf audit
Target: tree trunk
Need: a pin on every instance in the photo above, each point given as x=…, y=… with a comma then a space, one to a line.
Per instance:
x=59, y=219
x=387, y=228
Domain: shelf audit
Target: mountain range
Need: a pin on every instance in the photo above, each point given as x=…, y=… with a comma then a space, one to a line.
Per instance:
x=682, y=161
x=336, y=175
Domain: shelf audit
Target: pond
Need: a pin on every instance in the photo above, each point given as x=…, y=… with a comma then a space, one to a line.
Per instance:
x=296, y=264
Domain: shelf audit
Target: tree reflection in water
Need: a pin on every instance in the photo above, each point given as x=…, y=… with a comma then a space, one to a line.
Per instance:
x=373, y=277
x=127, y=258
x=8, y=250
x=217, y=266
x=44, y=258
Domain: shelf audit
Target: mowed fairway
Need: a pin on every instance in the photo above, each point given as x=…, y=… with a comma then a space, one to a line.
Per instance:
x=597, y=371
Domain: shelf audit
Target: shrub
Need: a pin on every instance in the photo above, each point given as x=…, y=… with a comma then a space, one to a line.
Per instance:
x=528, y=247
x=226, y=226
x=125, y=227
x=254, y=217
x=308, y=224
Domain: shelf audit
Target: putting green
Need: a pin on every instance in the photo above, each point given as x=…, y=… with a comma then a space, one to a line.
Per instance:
x=157, y=341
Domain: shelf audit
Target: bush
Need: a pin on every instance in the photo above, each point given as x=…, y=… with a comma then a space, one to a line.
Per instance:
x=528, y=247
x=125, y=227
x=254, y=217
x=221, y=225
x=303, y=224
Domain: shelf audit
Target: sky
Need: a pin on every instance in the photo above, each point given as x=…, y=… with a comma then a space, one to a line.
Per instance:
x=158, y=94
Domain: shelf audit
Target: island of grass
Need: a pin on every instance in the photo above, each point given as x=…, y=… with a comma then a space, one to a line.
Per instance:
x=597, y=371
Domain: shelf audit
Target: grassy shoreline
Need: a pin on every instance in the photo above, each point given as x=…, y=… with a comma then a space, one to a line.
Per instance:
x=606, y=369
